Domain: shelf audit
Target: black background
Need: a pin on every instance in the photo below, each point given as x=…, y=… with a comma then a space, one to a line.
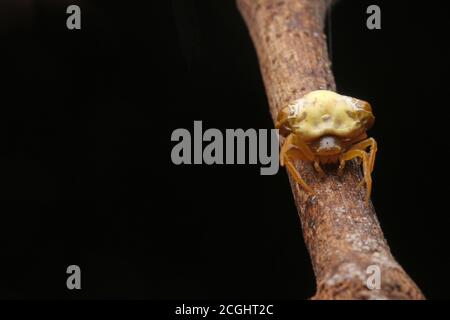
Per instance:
x=87, y=178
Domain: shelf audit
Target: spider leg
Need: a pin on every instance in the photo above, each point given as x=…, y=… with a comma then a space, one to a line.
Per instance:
x=341, y=167
x=287, y=145
x=296, y=148
x=318, y=168
x=362, y=145
x=290, y=151
x=354, y=153
x=297, y=177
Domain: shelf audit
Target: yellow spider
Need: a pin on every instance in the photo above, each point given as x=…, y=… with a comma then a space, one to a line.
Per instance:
x=326, y=127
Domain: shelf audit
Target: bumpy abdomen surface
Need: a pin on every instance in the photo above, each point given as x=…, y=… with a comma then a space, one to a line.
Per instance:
x=323, y=112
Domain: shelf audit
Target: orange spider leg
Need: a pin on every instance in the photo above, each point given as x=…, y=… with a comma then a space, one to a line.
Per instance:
x=366, y=167
x=287, y=145
x=293, y=150
x=370, y=142
x=297, y=147
x=362, y=145
x=318, y=168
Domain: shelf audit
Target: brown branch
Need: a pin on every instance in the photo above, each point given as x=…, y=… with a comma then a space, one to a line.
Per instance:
x=342, y=233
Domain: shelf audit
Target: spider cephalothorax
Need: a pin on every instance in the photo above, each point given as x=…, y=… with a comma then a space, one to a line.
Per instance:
x=326, y=127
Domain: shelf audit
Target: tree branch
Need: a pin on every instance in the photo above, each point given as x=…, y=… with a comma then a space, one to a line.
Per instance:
x=341, y=232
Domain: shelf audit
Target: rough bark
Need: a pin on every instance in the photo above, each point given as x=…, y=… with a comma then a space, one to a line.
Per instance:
x=341, y=231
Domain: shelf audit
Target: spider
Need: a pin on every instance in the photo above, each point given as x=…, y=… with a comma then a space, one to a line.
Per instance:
x=325, y=127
